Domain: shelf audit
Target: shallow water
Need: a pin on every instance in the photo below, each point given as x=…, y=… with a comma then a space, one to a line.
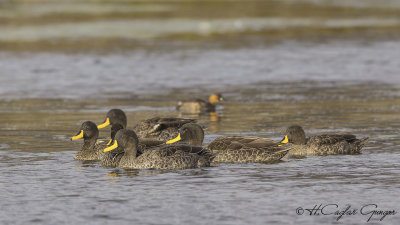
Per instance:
x=42, y=183
x=348, y=83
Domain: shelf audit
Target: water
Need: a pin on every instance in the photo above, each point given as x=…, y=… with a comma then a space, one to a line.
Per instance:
x=288, y=69
x=138, y=73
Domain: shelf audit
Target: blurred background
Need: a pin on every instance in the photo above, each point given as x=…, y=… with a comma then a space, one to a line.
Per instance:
x=72, y=25
x=68, y=49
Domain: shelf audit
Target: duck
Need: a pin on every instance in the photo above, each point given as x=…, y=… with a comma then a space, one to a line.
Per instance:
x=199, y=105
x=160, y=129
x=233, y=148
x=113, y=117
x=151, y=132
x=111, y=159
x=321, y=145
x=90, y=150
x=164, y=157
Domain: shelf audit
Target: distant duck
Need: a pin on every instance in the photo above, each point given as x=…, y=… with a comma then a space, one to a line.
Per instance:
x=235, y=148
x=199, y=105
x=323, y=144
x=90, y=150
x=151, y=131
x=165, y=157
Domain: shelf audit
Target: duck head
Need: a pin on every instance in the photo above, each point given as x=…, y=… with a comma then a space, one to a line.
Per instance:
x=114, y=129
x=125, y=140
x=215, y=98
x=190, y=133
x=113, y=117
x=87, y=131
x=295, y=135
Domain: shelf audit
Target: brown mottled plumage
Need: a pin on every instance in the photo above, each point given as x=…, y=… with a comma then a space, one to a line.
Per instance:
x=157, y=129
x=324, y=144
x=246, y=149
x=235, y=149
x=90, y=150
x=161, y=129
x=154, y=132
x=199, y=105
x=111, y=159
x=165, y=157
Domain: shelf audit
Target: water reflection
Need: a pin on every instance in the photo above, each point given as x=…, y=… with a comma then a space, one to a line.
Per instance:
x=212, y=119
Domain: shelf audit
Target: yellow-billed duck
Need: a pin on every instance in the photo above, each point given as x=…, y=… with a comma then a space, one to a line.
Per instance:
x=112, y=158
x=199, y=105
x=164, y=157
x=151, y=131
x=233, y=148
x=161, y=129
x=324, y=144
x=90, y=150
x=114, y=116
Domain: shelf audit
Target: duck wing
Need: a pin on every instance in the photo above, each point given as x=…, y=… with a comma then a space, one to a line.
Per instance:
x=244, y=149
x=242, y=142
x=160, y=128
x=175, y=157
x=330, y=139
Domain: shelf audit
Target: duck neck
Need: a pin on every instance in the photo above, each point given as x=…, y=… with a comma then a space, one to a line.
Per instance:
x=130, y=151
x=88, y=144
x=196, y=142
x=301, y=141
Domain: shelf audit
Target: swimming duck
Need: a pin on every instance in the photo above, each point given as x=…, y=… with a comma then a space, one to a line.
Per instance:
x=111, y=159
x=324, y=144
x=161, y=129
x=165, y=157
x=114, y=117
x=233, y=149
x=151, y=132
x=199, y=105
x=90, y=150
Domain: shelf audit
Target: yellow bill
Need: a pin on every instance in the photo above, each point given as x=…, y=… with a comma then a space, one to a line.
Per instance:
x=79, y=136
x=112, y=147
x=174, y=140
x=104, y=124
x=284, y=141
x=109, y=142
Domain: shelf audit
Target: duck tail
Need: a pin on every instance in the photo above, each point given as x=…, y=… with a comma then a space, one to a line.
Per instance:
x=213, y=155
x=204, y=152
x=283, y=150
x=206, y=159
x=360, y=143
x=363, y=142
